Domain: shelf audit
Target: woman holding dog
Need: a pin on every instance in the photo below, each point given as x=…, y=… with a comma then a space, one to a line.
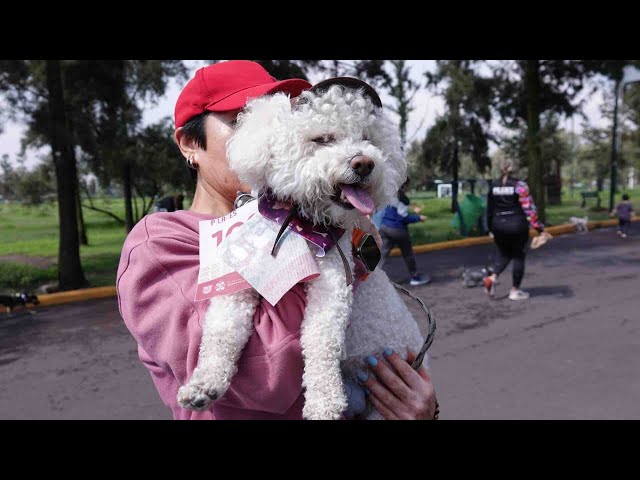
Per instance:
x=510, y=213
x=158, y=272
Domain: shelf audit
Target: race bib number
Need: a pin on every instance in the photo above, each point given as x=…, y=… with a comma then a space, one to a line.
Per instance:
x=235, y=254
x=215, y=277
x=248, y=252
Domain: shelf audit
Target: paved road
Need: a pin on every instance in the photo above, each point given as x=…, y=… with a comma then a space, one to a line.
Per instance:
x=572, y=351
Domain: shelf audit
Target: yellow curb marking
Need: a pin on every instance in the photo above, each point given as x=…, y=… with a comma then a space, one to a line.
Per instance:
x=76, y=295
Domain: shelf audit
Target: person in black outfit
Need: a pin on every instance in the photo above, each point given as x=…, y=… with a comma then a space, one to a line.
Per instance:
x=510, y=213
x=170, y=204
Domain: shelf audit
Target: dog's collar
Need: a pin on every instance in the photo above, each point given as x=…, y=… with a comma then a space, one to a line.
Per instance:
x=279, y=212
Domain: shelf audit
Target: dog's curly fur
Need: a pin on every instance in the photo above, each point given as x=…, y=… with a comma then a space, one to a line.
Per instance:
x=581, y=223
x=301, y=150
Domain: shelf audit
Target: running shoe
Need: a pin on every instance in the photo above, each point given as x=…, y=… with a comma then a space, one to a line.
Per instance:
x=518, y=295
x=419, y=280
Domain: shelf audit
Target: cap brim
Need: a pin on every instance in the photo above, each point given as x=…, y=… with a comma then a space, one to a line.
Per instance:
x=349, y=82
x=236, y=101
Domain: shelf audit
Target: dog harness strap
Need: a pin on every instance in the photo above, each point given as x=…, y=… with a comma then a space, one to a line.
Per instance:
x=285, y=224
x=345, y=262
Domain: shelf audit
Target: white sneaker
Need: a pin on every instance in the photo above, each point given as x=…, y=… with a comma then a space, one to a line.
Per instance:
x=624, y=235
x=418, y=279
x=518, y=295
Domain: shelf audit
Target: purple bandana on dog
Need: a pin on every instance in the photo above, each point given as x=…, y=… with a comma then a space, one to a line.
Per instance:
x=275, y=210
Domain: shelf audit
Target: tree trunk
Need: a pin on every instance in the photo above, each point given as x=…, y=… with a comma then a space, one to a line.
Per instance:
x=614, y=151
x=536, y=164
x=126, y=187
x=559, y=176
x=115, y=137
x=400, y=94
x=135, y=206
x=70, y=274
x=454, y=184
x=82, y=229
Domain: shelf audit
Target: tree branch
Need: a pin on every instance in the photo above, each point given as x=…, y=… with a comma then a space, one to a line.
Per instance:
x=106, y=212
x=92, y=207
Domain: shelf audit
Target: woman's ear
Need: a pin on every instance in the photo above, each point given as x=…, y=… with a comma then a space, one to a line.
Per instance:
x=186, y=145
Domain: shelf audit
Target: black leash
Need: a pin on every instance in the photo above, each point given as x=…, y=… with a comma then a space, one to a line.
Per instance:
x=431, y=326
x=285, y=224
x=345, y=262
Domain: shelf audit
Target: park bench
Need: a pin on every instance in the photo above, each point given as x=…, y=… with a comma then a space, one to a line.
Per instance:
x=586, y=195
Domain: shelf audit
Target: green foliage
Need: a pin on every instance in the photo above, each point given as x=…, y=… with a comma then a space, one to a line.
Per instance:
x=21, y=276
x=554, y=144
x=30, y=186
x=561, y=82
x=464, y=127
x=285, y=69
x=33, y=231
x=402, y=89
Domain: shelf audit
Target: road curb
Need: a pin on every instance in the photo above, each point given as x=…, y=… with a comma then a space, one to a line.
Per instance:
x=103, y=292
x=468, y=242
x=76, y=295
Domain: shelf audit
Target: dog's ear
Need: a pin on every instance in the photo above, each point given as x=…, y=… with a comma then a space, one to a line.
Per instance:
x=385, y=135
x=249, y=148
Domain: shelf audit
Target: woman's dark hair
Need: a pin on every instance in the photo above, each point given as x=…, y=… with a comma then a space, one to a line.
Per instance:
x=625, y=196
x=194, y=130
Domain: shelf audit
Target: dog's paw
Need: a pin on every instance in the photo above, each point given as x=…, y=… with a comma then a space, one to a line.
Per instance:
x=197, y=397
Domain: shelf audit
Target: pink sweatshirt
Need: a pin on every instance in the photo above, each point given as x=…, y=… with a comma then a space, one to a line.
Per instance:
x=156, y=285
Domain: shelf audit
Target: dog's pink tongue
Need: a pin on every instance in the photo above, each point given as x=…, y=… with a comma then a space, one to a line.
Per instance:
x=359, y=198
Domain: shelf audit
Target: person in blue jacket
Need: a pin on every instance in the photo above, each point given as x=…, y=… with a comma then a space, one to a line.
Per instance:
x=395, y=232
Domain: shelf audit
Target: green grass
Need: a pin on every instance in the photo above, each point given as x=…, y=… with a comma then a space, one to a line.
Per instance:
x=20, y=276
x=33, y=231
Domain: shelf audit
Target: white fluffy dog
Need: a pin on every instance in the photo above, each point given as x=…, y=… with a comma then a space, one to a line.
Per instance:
x=581, y=223
x=334, y=154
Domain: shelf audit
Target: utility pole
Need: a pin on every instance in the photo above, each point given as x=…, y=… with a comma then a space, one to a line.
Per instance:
x=614, y=150
x=572, y=174
x=630, y=74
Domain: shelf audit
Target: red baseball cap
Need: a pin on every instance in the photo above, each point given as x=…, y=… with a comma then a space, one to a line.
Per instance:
x=228, y=86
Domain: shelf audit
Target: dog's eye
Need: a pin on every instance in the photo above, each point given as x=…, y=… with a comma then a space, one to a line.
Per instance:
x=323, y=139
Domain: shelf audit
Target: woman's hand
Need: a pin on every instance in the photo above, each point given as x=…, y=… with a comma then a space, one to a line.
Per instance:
x=397, y=391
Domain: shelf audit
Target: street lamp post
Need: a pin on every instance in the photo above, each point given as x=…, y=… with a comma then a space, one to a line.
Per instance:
x=614, y=148
x=572, y=172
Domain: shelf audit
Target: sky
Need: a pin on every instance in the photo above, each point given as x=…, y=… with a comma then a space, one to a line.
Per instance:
x=427, y=107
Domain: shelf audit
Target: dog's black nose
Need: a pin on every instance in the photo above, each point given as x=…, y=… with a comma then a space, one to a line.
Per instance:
x=362, y=165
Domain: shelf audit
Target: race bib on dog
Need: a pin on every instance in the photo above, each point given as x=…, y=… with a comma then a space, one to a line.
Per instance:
x=247, y=251
x=215, y=277
x=235, y=254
